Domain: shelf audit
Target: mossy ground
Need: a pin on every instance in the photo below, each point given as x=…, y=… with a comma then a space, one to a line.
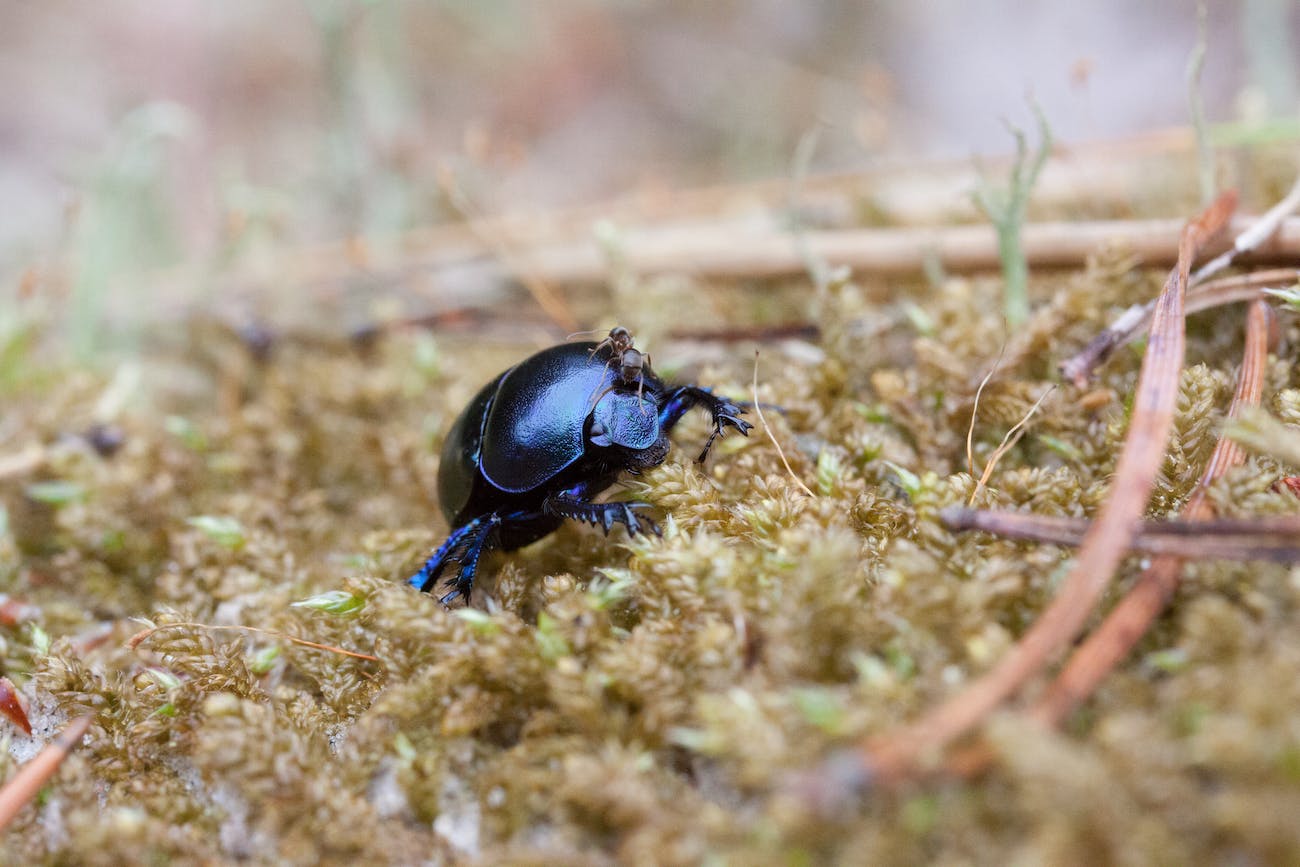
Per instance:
x=639, y=701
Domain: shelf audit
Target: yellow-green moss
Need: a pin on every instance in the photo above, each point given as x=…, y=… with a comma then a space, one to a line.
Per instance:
x=632, y=700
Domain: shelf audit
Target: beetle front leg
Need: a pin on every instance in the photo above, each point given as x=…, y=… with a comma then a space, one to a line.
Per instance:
x=446, y=553
x=725, y=413
x=566, y=505
x=464, y=546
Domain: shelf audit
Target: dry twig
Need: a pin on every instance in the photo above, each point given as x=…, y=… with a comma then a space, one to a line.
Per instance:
x=1276, y=539
x=22, y=789
x=894, y=755
x=1134, y=614
x=1216, y=293
x=1133, y=321
x=1131, y=618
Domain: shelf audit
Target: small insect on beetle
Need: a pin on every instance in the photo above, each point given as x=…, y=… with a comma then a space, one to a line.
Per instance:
x=631, y=363
x=540, y=441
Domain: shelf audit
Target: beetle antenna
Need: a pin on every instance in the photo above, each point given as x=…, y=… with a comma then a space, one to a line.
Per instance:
x=589, y=333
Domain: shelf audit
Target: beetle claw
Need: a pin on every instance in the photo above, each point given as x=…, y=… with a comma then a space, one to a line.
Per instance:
x=644, y=522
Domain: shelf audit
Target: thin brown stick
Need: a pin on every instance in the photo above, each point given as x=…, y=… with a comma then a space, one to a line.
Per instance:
x=718, y=250
x=918, y=193
x=22, y=789
x=1276, y=539
x=1254, y=235
x=1133, y=616
x=1134, y=321
x=1250, y=238
x=143, y=635
x=730, y=252
x=1135, y=613
x=890, y=757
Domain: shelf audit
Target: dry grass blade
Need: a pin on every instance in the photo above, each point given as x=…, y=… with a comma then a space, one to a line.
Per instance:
x=22, y=789
x=758, y=408
x=974, y=414
x=1012, y=437
x=894, y=755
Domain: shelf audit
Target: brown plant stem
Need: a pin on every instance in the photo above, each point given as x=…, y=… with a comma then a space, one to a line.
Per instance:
x=1215, y=293
x=889, y=757
x=1135, y=613
x=735, y=253
x=1275, y=539
x=22, y=789
x=1130, y=619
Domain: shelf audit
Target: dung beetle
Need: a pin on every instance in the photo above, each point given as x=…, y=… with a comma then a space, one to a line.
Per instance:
x=540, y=441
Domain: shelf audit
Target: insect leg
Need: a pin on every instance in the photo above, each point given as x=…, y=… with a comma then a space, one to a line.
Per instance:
x=725, y=413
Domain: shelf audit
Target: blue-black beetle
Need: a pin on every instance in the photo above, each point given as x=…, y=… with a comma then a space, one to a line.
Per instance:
x=537, y=443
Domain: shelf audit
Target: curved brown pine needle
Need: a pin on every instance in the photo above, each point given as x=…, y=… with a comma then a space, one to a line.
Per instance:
x=893, y=755
x=1131, y=618
x=1133, y=615
x=22, y=789
x=143, y=635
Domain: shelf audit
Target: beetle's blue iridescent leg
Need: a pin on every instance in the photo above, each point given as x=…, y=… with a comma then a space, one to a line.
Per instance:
x=446, y=553
x=569, y=504
x=725, y=413
x=464, y=546
x=463, y=583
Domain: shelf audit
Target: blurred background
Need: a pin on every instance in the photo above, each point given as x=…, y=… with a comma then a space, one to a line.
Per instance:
x=138, y=136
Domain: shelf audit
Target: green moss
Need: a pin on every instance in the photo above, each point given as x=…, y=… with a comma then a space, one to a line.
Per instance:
x=641, y=700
